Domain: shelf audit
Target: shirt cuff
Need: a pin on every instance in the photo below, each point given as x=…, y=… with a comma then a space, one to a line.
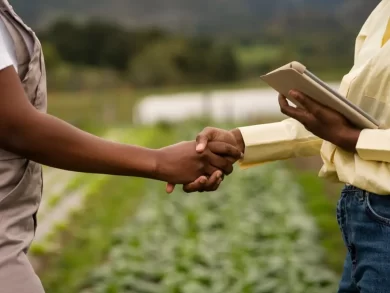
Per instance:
x=277, y=141
x=374, y=145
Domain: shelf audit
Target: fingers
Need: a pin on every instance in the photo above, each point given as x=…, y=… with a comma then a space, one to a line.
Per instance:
x=170, y=188
x=225, y=149
x=288, y=110
x=308, y=103
x=214, y=181
x=216, y=162
x=197, y=186
x=203, y=138
x=211, y=184
x=231, y=160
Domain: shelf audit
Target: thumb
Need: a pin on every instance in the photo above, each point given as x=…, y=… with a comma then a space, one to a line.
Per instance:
x=170, y=188
x=202, y=139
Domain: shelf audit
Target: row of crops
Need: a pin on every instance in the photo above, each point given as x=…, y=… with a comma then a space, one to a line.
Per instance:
x=64, y=193
x=252, y=235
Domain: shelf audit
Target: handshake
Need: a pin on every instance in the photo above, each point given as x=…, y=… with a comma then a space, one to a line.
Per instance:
x=202, y=164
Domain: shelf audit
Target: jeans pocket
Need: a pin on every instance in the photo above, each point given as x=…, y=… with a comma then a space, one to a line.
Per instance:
x=378, y=208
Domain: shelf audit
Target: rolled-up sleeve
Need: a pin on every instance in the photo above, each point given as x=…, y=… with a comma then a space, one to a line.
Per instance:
x=374, y=145
x=277, y=141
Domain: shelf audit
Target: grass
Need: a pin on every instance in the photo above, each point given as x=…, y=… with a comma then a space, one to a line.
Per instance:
x=84, y=241
x=254, y=59
x=54, y=200
x=93, y=110
x=257, y=54
x=71, y=105
x=76, y=183
x=332, y=75
x=246, y=237
x=323, y=208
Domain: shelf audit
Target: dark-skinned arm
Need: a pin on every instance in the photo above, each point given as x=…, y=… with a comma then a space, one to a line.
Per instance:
x=322, y=121
x=203, y=140
x=50, y=141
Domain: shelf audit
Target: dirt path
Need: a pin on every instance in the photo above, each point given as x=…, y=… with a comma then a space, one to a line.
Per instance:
x=55, y=184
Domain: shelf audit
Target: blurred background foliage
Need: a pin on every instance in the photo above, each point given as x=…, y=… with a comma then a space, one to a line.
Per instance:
x=157, y=58
x=105, y=56
x=164, y=43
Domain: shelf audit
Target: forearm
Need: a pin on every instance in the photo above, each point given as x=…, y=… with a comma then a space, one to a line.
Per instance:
x=348, y=139
x=53, y=142
x=277, y=141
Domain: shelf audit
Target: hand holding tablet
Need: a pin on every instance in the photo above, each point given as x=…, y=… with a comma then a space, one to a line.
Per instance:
x=295, y=76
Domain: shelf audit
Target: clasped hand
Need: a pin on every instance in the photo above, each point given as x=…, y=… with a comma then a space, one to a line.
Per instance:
x=202, y=164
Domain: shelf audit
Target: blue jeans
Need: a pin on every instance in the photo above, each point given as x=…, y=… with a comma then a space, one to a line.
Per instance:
x=364, y=220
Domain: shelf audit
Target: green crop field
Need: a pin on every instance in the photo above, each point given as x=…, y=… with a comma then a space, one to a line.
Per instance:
x=97, y=109
x=265, y=230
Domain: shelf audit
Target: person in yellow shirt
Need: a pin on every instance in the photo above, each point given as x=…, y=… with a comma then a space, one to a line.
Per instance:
x=358, y=158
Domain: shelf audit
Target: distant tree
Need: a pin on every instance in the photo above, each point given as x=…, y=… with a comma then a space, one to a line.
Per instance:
x=66, y=37
x=106, y=45
x=179, y=60
x=225, y=66
x=98, y=43
x=52, y=58
x=155, y=66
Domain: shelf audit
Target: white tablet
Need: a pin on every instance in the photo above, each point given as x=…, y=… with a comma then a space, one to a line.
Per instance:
x=294, y=75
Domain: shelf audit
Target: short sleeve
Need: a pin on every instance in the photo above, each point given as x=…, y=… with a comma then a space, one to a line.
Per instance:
x=5, y=59
x=7, y=49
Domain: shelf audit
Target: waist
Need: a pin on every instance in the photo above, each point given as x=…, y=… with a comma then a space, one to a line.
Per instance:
x=361, y=193
x=350, y=187
x=351, y=190
x=349, y=168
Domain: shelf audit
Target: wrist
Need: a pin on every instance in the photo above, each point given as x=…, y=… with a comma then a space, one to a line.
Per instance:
x=155, y=167
x=136, y=162
x=239, y=139
x=348, y=139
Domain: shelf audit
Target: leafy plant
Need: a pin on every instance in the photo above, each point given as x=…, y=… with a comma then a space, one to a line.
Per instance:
x=252, y=236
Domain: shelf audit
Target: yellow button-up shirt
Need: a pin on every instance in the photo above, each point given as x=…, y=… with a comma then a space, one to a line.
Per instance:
x=368, y=86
